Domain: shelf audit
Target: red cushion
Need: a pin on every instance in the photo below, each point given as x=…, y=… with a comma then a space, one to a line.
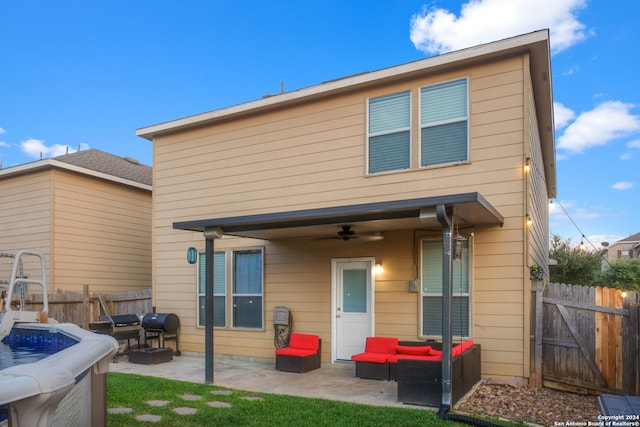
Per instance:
x=304, y=341
x=370, y=357
x=381, y=345
x=460, y=348
x=421, y=350
x=297, y=352
x=456, y=350
x=434, y=352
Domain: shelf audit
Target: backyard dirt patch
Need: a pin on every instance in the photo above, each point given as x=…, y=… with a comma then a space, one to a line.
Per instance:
x=538, y=406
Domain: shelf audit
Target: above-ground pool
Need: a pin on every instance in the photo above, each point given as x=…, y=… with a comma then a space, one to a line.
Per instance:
x=54, y=374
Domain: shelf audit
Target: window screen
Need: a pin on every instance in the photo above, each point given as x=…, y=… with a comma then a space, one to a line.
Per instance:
x=444, y=123
x=389, y=133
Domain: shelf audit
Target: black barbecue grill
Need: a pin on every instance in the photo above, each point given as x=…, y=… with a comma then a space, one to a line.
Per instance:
x=120, y=327
x=162, y=327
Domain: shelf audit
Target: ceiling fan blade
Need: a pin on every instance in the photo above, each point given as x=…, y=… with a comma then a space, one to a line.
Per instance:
x=370, y=237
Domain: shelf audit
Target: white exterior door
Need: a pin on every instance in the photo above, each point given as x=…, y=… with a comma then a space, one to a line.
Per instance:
x=352, y=306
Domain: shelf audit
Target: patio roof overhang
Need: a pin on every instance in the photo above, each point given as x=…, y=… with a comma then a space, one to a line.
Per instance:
x=469, y=209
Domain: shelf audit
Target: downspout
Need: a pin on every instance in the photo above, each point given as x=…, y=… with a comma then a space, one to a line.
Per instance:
x=447, y=295
x=209, y=235
x=447, y=324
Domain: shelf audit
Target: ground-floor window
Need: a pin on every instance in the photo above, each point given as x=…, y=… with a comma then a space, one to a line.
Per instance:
x=219, y=289
x=245, y=292
x=247, y=288
x=431, y=289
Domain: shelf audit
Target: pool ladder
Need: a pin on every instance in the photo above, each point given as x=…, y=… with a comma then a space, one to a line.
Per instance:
x=8, y=316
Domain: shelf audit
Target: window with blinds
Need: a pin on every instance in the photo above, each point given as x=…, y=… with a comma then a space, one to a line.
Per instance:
x=389, y=133
x=444, y=123
x=247, y=289
x=431, y=293
x=219, y=289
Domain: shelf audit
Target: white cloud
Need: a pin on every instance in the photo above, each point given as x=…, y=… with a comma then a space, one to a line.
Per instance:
x=4, y=144
x=623, y=185
x=608, y=121
x=562, y=115
x=37, y=149
x=2, y=131
x=571, y=70
x=634, y=144
x=436, y=30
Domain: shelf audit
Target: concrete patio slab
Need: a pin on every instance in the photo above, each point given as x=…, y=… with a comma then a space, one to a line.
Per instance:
x=334, y=381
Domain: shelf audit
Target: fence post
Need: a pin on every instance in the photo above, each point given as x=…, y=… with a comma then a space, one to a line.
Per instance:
x=85, y=306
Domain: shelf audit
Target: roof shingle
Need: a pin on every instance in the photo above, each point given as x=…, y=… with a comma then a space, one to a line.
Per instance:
x=100, y=161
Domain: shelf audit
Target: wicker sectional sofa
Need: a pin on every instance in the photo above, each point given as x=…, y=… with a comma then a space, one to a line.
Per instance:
x=417, y=367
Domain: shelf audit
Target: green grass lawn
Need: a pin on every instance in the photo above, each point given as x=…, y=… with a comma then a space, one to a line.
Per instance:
x=247, y=408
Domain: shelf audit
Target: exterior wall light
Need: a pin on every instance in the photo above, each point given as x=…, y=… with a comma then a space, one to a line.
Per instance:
x=378, y=267
x=527, y=165
x=529, y=221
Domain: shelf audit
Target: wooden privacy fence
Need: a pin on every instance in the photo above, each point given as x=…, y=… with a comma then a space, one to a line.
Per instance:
x=82, y=308
x=587, y=338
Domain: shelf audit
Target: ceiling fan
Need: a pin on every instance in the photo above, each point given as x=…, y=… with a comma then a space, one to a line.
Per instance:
x=347, y=234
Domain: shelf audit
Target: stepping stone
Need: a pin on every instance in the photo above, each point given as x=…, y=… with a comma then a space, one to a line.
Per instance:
x=255, y=398
x=222, y=392
x=183, y=410
x=157, y=402
x=219, y=404
x=120, y=410
x=191, y=397
x=149, y=418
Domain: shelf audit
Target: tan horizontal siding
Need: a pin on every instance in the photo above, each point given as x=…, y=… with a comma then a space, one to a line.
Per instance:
x=25, y=220
x=102, y=235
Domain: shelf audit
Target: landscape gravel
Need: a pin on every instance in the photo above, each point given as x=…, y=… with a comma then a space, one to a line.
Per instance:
x=544, y=406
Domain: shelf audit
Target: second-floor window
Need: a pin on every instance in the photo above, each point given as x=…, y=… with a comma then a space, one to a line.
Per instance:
x=443, y=123
x=389, y=133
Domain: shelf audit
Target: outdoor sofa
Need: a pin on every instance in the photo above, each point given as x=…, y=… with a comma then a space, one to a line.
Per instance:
x=417, y=368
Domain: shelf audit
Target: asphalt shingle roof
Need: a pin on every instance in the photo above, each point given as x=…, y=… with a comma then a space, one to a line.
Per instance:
x=100, y=161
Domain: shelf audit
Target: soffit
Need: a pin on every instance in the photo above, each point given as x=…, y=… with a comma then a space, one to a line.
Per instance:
x=469, y=210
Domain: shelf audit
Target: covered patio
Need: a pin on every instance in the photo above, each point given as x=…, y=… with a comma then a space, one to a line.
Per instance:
x=447, y=213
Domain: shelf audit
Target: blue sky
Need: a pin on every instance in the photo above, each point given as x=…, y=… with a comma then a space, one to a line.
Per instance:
x=88, y=74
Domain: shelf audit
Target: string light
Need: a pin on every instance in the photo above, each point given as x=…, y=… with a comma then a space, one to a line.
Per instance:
x=584, y=238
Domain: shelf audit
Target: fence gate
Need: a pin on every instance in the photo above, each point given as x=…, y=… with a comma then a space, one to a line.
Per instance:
x=590, y=339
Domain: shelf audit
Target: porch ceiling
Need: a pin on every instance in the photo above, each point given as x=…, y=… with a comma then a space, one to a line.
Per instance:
x=469, y=209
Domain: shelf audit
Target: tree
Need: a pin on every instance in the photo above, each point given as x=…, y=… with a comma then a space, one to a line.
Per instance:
x=622, y=274
x=575, y=266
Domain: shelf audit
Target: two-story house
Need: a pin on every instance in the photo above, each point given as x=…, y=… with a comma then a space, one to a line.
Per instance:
x=88, y=213
x=295, y=198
